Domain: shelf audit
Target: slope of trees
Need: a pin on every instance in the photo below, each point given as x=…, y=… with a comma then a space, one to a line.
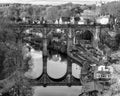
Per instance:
x=49, y=12
x=112, y=8
x=12, y=63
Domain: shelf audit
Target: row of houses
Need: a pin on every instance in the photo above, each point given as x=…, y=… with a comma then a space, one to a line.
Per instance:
x=81, y=20
x=70, y=20
x=87, y=17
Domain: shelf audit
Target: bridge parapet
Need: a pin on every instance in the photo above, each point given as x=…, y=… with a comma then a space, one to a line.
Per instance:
x=57, y=25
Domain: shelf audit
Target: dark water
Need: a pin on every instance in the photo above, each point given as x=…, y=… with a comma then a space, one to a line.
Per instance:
x=57, y=91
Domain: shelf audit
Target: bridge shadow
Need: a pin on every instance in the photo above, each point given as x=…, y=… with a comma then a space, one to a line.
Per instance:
x=67, y=80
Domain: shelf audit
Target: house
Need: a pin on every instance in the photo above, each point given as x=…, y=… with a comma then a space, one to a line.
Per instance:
x=60, y=21
x=63, y=20
x=57, y=21
x=103, y=19
x=72, y=20
x=81, y=21
x=26, y=19
x=103, y=72
x=67, y=20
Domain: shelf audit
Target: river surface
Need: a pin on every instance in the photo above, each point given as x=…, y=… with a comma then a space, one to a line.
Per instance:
x=56, y=68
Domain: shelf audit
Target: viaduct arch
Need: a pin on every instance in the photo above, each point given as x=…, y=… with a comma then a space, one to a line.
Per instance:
x=70, y=31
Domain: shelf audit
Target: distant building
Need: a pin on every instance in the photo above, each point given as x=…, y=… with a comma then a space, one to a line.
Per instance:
x=57, y=21
x=86, y=18
x=72, y=21
x=60, y=21
x=103, y=72
x=67, y=20
x=63, y=20
x=81, y=22
x=27, y=19
x=103, y=19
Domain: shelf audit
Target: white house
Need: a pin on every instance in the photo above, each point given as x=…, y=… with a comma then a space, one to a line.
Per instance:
x=56, y=22
x=60, y=21
x=103, y=20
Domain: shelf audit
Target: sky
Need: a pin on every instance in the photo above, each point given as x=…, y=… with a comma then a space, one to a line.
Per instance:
x=54, y=2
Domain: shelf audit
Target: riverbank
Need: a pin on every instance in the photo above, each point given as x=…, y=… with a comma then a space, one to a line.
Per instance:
x=35, y=64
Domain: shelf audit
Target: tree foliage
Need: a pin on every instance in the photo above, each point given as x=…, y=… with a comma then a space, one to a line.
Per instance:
x=112, y=8
x=66, y=13
x=11, y=58
x=49, y=12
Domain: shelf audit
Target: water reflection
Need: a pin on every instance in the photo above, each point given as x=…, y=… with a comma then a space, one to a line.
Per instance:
x=56, y=68
x=76, y=70
x=35, y=65
x=56, y=65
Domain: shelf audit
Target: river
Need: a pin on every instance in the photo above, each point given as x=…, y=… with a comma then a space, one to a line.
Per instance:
x=56, y=68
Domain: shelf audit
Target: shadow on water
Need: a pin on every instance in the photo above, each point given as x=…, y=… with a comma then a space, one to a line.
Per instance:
x=57, y=54
x=52, y=52
x=57, y=61
x=53, y=59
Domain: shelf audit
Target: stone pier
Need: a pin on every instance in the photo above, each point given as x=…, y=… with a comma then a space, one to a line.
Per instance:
x=69, y=71
x=69, y=40
x=96, y=37
x=45, y=42
x=44, y=71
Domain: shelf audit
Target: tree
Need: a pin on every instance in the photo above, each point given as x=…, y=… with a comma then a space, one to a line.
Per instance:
x=12, y=60
x=104, y=10
x=24, y=14
x=112, y=8
x=92, y=7
x=12, y=13
x=51, y=13
x=76, y=10
x=66, y=13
